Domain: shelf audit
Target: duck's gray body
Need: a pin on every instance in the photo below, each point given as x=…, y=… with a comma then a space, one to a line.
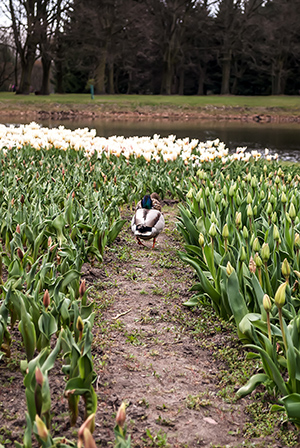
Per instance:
x=147, y=223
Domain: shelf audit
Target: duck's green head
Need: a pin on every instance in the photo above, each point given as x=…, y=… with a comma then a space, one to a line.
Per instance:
x=147, y=202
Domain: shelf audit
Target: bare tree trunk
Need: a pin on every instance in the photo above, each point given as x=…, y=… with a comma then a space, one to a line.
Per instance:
x=59, y=76
x=100, y=71
x=16, y=69
x=27, y=66
x=45, y=87
x=226, y=66
x=201, y=79
x=166, y=84
x=277, y=78
x=181, y=82
x=111, y=87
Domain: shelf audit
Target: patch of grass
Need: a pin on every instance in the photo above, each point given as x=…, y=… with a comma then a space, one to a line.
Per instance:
x=198, y=401
x=134, y=337
x=100, y=103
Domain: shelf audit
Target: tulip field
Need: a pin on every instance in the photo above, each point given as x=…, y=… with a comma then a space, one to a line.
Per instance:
x=61, y=198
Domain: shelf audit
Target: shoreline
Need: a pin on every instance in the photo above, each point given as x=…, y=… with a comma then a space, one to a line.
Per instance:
x=152, y=115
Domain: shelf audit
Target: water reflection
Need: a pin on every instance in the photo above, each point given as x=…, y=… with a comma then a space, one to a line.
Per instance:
x=281, y=138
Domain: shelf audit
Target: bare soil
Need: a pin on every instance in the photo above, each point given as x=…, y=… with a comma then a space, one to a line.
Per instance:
x=146, y=354
x=113, y=112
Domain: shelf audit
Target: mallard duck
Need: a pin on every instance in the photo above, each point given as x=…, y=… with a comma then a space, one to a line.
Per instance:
x=148, y=221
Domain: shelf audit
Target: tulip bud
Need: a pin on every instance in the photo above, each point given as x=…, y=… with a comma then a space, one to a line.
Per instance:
x=225, y=232
x=224, y=190
x=22, y=200
x=80, y=327
x=190, y=193
x=265, y=252
x=238, y=219
x=49, y=241
x=288, y=218
x=267, y=304
x=202, y=204
x=243, y=255
x=280, y=172
x=274, y=218
x=292, y=211
x=232, y=190
x=297, y=240
x=20, y=254
x=46, y=299
x=258, y=260
x=84, y=434
x=276, y=235
x=283, y=198
x=285, y=269
x=277, y=180
x=198, y=196
x=245, y=233
x=217, y=197
x=121, y=415
x=249, y=198
x=41, y=428
x=213, y=218
x=256, y=245
x=207, y=191
x=262, y=195
x=82, y=288
x=201, y=239
x=265, y=168
x=249, y=211
x=18, y=229
x=39, y=376
x=252, y=265
x=254, y=181
x=280, y=295
x=269, y=208
x=212, y=231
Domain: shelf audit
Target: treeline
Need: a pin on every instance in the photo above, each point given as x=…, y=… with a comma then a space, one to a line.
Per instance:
x=184, y=47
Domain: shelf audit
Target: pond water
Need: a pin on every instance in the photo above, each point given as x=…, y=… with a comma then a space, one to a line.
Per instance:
x=283, y=139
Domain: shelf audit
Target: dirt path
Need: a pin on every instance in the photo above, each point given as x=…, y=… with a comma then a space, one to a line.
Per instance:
x=149, y=357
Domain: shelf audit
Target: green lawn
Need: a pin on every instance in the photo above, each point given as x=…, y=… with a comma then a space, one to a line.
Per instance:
x=284, y=104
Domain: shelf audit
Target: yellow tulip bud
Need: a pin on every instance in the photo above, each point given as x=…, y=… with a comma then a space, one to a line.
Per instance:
x=256, y=245
x=267, y=303
x=225, y=232
x=265, y=252
x=285, y=269
x=229, y=268
x=292, y=211
x=212, y=231
x=280, y=295
x=257, y=260
x=41, y=428
x=201, y=239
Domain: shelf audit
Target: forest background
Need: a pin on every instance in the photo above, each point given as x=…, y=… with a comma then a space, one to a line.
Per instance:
x=168, y=47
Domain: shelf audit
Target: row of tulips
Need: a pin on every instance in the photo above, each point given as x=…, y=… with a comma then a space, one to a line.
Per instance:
x=242, y=231
x=54, y=218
